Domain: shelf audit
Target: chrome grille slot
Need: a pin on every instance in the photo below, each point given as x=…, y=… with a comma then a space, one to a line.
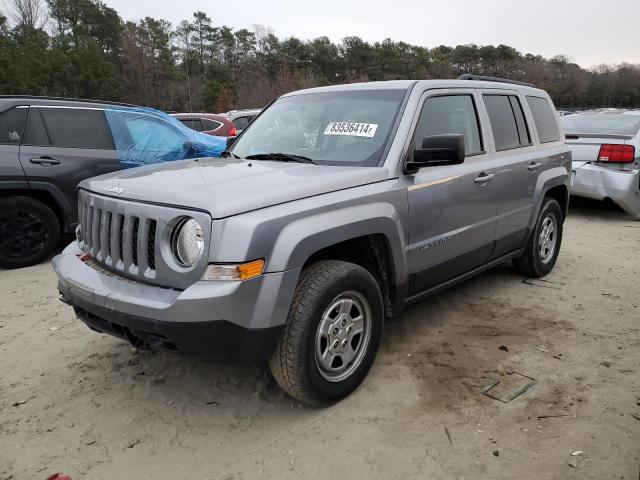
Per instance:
x=134, y=240
x=86, y=226
x=131, y=238
x=120, y=237
x=114, y=238
x=151, y=245
x=95, y=232
x=103, y=248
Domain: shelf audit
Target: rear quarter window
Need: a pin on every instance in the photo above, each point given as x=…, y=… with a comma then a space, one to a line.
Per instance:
x=544, y=119
x=77, y=128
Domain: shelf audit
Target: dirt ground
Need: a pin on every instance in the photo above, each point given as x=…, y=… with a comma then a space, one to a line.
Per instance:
x=85, y=404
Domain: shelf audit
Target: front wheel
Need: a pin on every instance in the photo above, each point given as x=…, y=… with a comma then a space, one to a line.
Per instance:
x=29, y=232
x=331, y=335
x=542, y=248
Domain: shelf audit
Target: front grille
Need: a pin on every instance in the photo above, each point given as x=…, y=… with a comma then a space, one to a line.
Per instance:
x=131, y=239
x=122, y=242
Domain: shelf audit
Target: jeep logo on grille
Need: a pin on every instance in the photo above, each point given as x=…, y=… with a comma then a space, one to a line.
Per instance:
x=118, y=189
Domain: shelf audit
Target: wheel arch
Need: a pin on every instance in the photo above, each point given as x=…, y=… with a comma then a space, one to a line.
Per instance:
x=560, y=193
x=551, y=183
x=368, y=235
x=45, y=196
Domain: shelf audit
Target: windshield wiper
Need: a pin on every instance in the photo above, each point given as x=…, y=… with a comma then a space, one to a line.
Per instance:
x=280, y=157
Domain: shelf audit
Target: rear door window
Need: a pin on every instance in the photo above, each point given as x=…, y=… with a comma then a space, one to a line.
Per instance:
x=77, y=128
x=193, y=123
x=210, y=124
x=450, y=114
x=507, y=122
x=150, y=133
x=544, y=119
x=12, y=125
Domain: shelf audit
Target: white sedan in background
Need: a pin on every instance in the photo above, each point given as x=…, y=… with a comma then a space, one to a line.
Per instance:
x=605, y=147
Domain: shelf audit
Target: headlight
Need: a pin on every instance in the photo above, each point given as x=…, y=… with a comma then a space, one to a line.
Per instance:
x=188, y=242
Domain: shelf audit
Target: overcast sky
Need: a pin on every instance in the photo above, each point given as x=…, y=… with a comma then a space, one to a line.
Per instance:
x=589, y=31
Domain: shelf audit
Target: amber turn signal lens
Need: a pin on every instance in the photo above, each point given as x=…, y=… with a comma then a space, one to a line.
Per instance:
x=243, y=271
x=251, y=269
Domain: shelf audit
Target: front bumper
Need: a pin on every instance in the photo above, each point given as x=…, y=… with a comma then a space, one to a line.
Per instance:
x=594, y=181
x=223, y=320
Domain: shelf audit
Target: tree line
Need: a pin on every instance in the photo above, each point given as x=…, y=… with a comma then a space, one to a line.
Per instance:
x=83, y=48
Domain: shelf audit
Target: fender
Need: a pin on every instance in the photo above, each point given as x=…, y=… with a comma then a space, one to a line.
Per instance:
x=303, y=237
x=548, y=179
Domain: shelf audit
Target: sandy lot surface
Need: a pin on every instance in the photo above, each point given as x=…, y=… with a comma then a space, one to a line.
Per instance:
x=82, y=403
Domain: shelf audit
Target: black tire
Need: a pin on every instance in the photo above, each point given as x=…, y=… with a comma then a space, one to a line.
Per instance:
x=294, y=364
x=29, y=232
x=531, y=263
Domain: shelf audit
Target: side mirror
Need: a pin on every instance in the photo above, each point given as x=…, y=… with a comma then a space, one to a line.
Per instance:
x=230, y=141
x=447, y=149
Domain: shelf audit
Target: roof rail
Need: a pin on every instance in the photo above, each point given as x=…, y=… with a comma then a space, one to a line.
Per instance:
x=484, y=78
x=67, y=99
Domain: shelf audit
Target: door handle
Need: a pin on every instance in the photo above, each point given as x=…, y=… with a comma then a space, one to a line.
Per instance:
x=534, y=166
x=46, y=161
x=484, y=178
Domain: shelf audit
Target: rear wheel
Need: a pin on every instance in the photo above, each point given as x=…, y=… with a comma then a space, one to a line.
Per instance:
x=543, y=246
x=29, y=231
x=332, y=333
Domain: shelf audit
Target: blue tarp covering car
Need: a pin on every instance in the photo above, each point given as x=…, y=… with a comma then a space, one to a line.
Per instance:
x=145, y=136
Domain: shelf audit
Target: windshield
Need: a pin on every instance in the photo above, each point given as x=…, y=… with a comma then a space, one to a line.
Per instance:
x=606, y=123
x=330, y=128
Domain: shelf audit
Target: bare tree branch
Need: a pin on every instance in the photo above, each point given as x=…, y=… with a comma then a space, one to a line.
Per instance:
x=26, y=14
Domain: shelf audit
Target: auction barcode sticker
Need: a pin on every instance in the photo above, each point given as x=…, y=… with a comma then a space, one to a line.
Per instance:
x=351, y=129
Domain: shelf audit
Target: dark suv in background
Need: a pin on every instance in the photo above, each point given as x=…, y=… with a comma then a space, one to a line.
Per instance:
x=48, y=145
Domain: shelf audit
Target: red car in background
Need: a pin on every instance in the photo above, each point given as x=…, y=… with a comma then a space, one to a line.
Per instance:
x=208, y=123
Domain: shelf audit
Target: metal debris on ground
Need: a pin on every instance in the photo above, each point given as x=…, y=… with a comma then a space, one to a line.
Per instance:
x=446, y=430
x=510, y=387
x=541, y=282
x=574, y=460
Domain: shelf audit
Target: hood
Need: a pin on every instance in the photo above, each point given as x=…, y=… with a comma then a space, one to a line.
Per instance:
x=225, y=186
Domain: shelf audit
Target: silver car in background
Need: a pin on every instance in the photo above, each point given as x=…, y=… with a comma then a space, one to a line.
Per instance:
x=241, y=118
x=605, y=148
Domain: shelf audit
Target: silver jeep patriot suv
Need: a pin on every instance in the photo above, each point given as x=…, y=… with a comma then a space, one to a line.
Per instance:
x=335, y=208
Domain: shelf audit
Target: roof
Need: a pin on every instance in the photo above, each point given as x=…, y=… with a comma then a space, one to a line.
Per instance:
x=37, y=100
x=408, y=84
x=239, y=113
x=211, y=116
